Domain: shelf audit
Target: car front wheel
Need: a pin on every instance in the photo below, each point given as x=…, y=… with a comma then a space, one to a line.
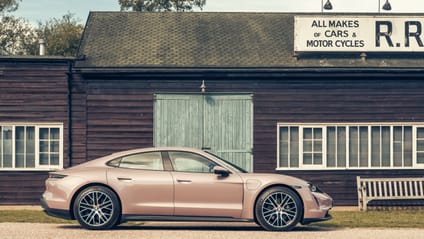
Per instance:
x=97, y=207
x=278, y=209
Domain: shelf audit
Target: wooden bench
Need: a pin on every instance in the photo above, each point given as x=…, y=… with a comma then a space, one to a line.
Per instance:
x=388, y=189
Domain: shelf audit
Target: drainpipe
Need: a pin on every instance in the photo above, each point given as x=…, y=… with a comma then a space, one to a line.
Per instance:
x=69, y=93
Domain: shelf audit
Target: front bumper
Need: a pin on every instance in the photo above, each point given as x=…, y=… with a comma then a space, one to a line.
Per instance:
x=311, y=220
x=64, y=214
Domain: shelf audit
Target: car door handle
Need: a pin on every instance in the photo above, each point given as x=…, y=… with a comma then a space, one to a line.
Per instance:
x=183, y=181
x=124, y=179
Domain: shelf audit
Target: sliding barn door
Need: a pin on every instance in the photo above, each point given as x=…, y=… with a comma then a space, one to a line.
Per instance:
x=221, y=123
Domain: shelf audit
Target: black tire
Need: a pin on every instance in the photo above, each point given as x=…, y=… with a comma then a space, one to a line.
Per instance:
x=97, y=208
x=278, y=209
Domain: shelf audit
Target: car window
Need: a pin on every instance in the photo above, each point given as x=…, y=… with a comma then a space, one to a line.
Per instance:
x=189, y=162
x=147, y=161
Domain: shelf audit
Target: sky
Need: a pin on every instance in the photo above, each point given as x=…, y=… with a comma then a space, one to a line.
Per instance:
x=41, y=10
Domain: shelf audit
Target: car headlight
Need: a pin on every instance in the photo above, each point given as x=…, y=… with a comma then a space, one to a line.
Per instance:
x=56, y=176
x=314, y=188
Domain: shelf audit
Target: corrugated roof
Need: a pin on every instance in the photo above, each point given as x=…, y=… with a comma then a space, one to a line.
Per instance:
x=208, y=40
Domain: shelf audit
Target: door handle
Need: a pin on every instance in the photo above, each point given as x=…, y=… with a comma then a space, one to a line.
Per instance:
x=124, y=179
x=183, y=181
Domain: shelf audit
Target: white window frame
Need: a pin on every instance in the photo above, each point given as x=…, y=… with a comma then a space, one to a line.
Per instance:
x=37, y=127
x=301, y=149
x=324, y=126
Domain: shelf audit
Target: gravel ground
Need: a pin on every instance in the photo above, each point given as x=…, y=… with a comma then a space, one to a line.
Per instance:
x=197, y=230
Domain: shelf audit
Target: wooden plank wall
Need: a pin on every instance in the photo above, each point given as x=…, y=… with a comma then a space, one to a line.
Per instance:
x=31, y=92
x=120, y=114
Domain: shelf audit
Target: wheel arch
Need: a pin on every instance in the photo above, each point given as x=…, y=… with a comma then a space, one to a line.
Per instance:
x=278, y=185
x=77, y=192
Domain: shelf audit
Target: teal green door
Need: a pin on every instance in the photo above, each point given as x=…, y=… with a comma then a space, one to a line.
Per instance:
x=221, y=123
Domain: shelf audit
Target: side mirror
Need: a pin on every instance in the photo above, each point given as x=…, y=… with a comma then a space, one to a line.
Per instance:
x=223, y=172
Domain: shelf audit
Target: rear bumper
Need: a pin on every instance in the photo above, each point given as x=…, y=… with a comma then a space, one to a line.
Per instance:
x=64, y=214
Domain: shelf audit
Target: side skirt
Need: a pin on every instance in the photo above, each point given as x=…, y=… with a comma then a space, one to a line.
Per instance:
x=181, y=218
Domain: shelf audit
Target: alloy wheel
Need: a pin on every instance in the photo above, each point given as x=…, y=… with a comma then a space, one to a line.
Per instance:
x=95, y=208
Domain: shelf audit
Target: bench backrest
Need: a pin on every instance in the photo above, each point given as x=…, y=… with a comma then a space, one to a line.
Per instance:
x=391, y=188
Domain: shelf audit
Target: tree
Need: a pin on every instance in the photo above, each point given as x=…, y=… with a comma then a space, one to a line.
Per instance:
x=9, y=5
x=62, y=35
x=16, y=36
x=161, y=5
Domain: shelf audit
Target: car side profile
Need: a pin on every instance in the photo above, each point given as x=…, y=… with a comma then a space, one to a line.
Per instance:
x=179, y=184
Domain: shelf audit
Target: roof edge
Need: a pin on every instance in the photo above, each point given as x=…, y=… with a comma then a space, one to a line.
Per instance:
x=255, y=72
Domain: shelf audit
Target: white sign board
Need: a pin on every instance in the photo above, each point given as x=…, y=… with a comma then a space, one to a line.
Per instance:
x=358, y=34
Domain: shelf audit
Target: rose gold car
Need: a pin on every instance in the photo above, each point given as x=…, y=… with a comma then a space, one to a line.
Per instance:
x=179, y=184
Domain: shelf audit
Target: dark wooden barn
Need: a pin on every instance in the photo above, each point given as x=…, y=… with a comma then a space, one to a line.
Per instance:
x=231, y=83
x=34, y=113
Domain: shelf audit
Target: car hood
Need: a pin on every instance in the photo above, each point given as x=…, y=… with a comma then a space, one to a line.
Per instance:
x=269, y=178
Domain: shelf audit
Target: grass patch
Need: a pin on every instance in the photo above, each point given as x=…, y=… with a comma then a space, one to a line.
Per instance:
x=379, y=219
x=382, y=219
x=30, y=216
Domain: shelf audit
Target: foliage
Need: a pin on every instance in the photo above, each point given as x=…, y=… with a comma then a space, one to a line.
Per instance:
x=161, y=5
x=62, y=35
x=9, y=5
x=16, y=36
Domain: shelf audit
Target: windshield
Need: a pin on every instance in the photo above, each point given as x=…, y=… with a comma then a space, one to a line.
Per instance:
x=228, y=164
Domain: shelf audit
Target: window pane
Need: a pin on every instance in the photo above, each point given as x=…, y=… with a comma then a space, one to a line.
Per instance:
x=317, y=159
x=397, y=146
x=317, y=133
x=20, y=146
x=20, y=133
x=54, y=159
x=294, y=146
x=54, y=147
x=44, y=134
x=20, y=161
x=189, y=162
x=307, y=158
x=30, y=147
x=44, y=146
x=318, y=146
x=30, y=160
x=353, y=146
x=44, y=159
x=420, y=158
x=385, y=146
x=420, y=133
x=1, y=144
x=375, y=146
x=54, y=133
x=284, y=147
x=420, y=145
x=7, y=147
x=341, y=147
x=307, y=146
x=407, y=146
x=331, y=146
x=146, y=161
x=363, y=146
x=307, y=133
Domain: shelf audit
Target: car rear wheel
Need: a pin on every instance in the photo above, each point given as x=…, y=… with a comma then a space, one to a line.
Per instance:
x=97, y=208
x=278, y=209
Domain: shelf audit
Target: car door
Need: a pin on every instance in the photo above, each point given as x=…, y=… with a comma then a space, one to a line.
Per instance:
x=200, y=192
x=143, y=185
